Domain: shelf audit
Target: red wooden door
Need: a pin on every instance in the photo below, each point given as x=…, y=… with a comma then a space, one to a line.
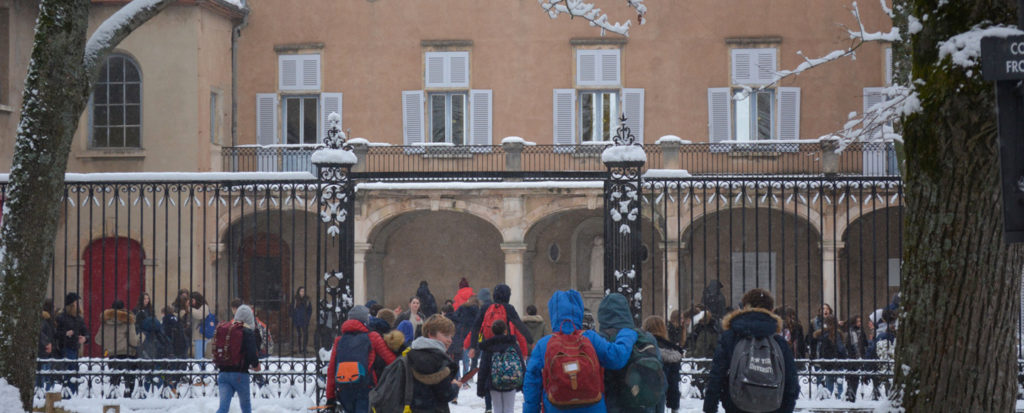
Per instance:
x=113, y=271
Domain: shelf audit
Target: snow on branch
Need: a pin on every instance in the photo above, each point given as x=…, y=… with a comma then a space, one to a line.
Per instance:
x=858, y=37
x=592, y=14
x=876, y=123
x=118, y=26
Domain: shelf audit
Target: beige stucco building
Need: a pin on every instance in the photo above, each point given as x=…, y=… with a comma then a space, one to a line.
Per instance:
x=429, y=77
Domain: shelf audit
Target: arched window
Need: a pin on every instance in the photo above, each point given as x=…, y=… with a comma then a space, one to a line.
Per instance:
x=116, y=107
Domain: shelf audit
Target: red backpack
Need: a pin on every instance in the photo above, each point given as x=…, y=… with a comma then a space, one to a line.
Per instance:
x=572, y=375
x=227, y=344
x=495, y=312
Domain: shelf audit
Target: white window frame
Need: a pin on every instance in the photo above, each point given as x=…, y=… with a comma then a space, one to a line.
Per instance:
x=302, y=132
x=306, y=75
x=448, y=115
x=597, y=121
x=124, y=105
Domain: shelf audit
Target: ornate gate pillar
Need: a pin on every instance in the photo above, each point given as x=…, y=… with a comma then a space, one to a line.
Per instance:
x=335, y=240
x=623, y=249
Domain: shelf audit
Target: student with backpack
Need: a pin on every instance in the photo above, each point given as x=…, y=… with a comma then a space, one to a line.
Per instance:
x=499, y=310
x=350, y=374
x=502, y=369
x=235, y=352
x=753, y=367
x=433, y=372
x=671, y=357
x=640, y=385
x=566, y=368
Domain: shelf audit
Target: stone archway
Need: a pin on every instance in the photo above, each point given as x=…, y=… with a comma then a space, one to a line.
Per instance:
x=439, y=247
x=869, y=261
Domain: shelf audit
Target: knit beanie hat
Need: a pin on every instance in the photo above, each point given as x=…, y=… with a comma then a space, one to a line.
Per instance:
x=360, y=313
x=70, y=298
x=388, y=316
x=463, y=283
x=244, y=315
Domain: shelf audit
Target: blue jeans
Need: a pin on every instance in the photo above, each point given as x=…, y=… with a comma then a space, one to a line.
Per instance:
x=229, y=383
x=354, y=400
x=199, y=346
x=71, y=354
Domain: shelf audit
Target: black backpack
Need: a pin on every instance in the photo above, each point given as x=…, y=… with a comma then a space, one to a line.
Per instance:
x=393, y=393
x=757, y=375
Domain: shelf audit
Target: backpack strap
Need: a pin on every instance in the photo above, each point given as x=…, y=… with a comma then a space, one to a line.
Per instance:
x=409, y=382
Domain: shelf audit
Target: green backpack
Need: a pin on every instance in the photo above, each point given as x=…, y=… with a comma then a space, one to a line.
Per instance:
x=641, y=384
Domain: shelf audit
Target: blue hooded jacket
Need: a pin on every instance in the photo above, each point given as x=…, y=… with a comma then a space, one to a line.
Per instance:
x=566, y=309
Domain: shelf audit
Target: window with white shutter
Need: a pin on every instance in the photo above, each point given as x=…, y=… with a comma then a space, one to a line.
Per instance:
x=872, y=97
x=412, y=117
x=598, y=67
x=789, y=113
x=266, y=118
x=599, y=114
x=298, y=72
x=564, y=120
x=719, y=113
x=633, y=108
x=446, y=69
x=330, y=103
x=754, y=67
x=480, y=116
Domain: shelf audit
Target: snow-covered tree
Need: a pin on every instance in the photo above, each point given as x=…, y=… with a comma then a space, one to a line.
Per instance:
x=60, y=78
x=961, y=282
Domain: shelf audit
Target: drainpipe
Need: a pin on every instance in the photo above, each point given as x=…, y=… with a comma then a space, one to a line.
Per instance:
x=236, y=32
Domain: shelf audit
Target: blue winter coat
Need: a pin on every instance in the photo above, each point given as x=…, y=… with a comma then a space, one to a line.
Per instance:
x=739, y=324
x=566, y=309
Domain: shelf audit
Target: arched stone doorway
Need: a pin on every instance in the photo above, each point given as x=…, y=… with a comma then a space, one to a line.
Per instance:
x=869, y=261
x=745, y=248
x=439, y=247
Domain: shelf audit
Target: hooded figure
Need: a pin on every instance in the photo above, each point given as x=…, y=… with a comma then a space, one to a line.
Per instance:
x=465, y=291
x=748, y=322
x=566, y=310
x=405, y=327
x=484, y=295
x=118, y=332
x=428, y=306
x=502, y=294
x=433, y=372
x=714, y=300
x=613, y=315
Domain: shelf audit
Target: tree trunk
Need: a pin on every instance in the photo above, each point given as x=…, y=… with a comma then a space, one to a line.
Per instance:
x=955, y=348
x=55, y=95
x=59, y=82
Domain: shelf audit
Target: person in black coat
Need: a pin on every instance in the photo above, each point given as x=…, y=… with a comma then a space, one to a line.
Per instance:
x=301, y=311
x=755, y=319
x=47, y=348
x=463, y=319
x=428, y=305
x=502, y=294
x=671, y=358
x=434, y=384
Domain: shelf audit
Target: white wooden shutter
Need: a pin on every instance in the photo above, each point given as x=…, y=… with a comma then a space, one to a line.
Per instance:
x=754, y=66
x=458, y=69
x=287, y=72
x=633, y=108
x=564, y=131
x=330, y=103
x=310, y=79
x=412, y=116
x=446, y=69
x=298, y=72
x=888, y=66
x=872, y=97
x=766, y=65
x=598, y=67
x=480, y=119
x=266, y=118
x=719, y=114
x=789, y=113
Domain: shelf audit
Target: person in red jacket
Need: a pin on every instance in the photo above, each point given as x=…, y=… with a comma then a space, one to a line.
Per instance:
x=465, y=291
x=354, y=396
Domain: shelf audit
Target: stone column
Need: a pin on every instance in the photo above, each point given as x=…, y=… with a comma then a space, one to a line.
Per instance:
x=829, y=273
x=672, y=277
x=359, y=272
x=514, y=252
